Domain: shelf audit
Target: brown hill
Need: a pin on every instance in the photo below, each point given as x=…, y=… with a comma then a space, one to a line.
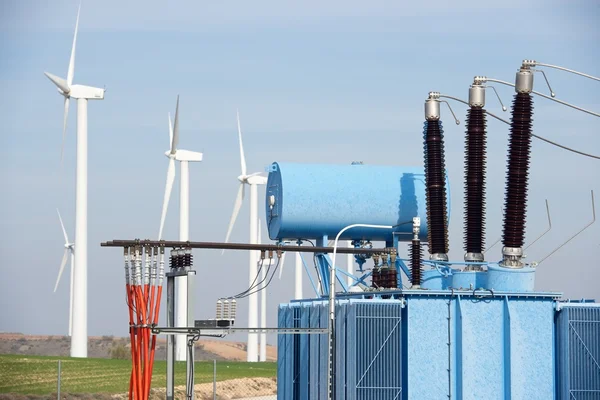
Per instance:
x=102, y=346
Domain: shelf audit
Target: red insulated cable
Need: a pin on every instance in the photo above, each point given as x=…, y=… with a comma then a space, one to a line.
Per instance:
x=139, y=355
x=153, y=347
x=147, y=368
x=139, y=340
x=133, y=378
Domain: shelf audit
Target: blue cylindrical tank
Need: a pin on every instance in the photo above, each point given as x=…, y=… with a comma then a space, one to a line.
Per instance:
x=313, y=200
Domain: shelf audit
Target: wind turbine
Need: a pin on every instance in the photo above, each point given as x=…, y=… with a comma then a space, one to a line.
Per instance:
x=252, y=180
x=69, y=250
x=184, y=157
x=263, y=303
x=82, y=94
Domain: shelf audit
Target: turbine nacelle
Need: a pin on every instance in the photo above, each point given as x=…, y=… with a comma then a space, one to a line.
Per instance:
x=76, y=91
x=256, y=179
x=184, y=155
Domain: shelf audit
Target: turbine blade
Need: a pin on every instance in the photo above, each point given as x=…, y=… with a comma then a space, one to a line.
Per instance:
x=282, y=263
x=242, y=158
x=64, y=137
x=170, y=132
x=236, y=209
x=71, y=70
x=168, y=188
x=59, y=82
x=63, y=227
x=175, y=141
x=62, y=267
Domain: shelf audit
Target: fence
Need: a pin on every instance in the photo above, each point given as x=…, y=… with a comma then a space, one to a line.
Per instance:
x=215, y=380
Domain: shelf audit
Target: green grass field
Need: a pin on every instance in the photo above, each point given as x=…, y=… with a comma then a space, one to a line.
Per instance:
x=37, y=375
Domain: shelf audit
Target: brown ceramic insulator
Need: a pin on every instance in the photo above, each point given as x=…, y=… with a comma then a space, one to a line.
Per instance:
x=475, y=162
x=435, y=184
x=416, y=267
x=519, y=153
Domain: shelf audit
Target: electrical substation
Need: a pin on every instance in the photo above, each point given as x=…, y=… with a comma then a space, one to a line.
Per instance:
x=420, y=327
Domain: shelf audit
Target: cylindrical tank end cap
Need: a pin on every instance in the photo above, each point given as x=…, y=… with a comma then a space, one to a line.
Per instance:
x=432, y=110
x=524, y=81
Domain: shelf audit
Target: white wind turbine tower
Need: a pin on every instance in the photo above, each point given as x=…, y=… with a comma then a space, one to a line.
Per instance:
x=297, y=273
x=69, y=250
x=82, y=94
x=253, y=180
x=263, y=302
x=184, y=157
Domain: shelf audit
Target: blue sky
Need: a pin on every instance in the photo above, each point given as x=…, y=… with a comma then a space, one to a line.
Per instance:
x=314, y=82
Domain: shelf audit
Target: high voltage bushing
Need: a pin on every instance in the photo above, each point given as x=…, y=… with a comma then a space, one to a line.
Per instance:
x=173, y=259
x=416, y=255
x=435, y=182
x=416, y=266
x=188, y=258
x=519, y=152
x=475, y=163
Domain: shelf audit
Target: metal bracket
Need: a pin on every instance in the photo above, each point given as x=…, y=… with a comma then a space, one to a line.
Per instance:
x=575, y=235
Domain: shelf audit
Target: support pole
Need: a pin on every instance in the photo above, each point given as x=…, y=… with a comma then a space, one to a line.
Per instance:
x=170, y=338
x=181, y=303
x=79, y=334
x=214, y=379
x=252, y=345
x=298, y=277
x=350, y=265
x=191, y=278
x=263, y=314
x=58, y=382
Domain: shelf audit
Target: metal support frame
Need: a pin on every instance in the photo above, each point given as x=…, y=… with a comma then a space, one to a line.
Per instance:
x=171, y=338
x=171, y=284
x=212, y=332
x=243, y=246
x=189, y=377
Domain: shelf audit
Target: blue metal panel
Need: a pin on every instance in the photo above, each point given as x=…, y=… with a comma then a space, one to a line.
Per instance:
x=578, y=352
x=285, y=345
x=378, y=327
x=315, y=200
x=427, y=348
x=323, y=352
x=301, y=376
x=314, y=341
x=532, y=339
x=368, y=359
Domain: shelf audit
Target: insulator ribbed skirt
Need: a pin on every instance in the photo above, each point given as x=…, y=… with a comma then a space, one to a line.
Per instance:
x=415, y=255
x=519, y=152
x=475, y=162
x=435, y=187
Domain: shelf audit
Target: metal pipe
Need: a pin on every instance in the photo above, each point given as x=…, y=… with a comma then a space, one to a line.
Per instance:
x=332, y=276
x=241, y=246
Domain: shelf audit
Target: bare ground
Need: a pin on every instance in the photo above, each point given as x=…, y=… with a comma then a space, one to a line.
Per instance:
x=226, y=390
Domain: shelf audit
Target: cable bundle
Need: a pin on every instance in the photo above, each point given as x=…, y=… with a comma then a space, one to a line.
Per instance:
x=143, y=287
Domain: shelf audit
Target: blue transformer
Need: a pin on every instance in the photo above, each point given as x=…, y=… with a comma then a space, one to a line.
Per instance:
x=441, y=344
x=314, y=201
